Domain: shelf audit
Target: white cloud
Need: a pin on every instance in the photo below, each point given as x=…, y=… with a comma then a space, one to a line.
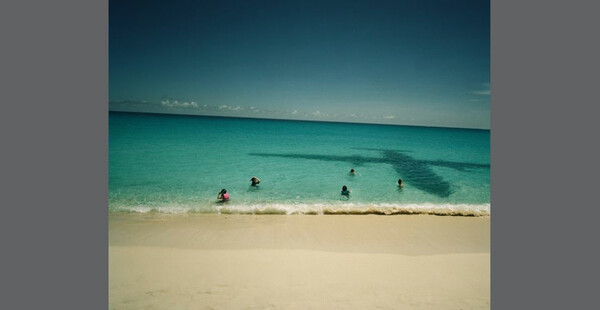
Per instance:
x=177, y=104
x=389, y=117
x=229, y=108
x=295, y=112
x=316, y=113
x=485, y=91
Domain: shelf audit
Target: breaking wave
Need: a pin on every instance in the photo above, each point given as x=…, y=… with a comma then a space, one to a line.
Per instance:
x=317, y=209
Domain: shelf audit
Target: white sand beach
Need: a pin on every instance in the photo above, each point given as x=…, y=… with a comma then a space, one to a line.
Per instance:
x=212, y=261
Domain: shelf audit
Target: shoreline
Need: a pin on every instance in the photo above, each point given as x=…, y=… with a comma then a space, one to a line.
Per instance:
x=224, y=261
x=351, y=208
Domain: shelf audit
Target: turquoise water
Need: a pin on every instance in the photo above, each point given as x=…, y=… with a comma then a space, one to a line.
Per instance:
x=178, y=164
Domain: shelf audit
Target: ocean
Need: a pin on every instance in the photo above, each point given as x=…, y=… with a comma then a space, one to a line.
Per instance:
x=178, y=164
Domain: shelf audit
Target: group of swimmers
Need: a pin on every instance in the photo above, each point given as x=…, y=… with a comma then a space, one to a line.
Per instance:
x=224, y=196
x=346, y=192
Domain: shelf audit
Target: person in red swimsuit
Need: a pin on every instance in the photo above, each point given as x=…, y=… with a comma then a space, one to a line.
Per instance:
x=223, y=195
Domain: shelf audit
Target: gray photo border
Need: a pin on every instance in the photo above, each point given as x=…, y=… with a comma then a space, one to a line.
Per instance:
x=55, y=154
x=543, y=73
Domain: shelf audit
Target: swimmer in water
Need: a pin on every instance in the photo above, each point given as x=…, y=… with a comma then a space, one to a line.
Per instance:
x=255, y=181
x=223, y=195
x=399, y=182
x=352, y=172
x=345, y=191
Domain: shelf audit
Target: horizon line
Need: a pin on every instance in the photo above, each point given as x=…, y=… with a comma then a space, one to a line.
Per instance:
x=298, y=120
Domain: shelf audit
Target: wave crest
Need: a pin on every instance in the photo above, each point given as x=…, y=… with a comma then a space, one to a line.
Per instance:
x=316, y=209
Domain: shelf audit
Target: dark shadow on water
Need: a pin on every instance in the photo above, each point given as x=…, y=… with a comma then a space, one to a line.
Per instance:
x=413, y=171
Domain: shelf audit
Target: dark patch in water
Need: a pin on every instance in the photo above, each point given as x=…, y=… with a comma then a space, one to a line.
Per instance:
x=414, y=171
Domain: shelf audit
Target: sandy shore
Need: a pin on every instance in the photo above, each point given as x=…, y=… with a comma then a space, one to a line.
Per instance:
x=298, y=262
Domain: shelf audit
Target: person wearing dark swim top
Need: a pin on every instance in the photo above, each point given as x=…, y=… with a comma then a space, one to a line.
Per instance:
x=345, y=191
x=255, y=181
x=223, y=195
x=399, y=182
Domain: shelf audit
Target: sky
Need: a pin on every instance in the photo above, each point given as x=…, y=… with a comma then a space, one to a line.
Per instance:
x=424, y=63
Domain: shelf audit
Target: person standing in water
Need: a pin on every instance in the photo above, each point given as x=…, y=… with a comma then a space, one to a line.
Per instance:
x=399, y=182
x=345, y=191
x=255, y=181
x=223, y=195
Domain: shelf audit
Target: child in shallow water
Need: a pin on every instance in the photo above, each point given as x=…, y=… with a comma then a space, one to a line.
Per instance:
x=345, y=191
x=223, y=195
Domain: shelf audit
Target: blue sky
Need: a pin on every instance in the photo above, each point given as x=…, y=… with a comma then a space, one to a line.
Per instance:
x=390, y=62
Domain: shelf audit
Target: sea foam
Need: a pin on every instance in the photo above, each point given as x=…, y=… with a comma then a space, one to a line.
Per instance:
x=318, y=209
